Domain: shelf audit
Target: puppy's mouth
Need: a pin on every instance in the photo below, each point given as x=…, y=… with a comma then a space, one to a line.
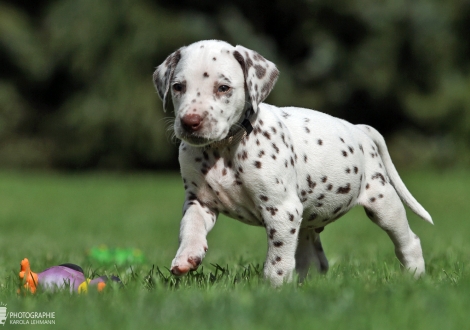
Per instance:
x=195, y=140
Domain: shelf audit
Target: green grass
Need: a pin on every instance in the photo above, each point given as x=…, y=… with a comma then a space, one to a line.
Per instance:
x=56, y=218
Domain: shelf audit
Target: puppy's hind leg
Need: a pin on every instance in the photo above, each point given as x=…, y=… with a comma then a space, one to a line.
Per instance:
x=384, y=208
x=309, y=253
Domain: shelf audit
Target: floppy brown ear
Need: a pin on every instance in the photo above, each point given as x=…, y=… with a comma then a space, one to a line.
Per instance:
x=163, y=75
x=260, y=74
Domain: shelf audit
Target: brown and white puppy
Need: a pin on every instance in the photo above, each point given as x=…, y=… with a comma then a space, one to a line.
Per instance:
x=290, y=170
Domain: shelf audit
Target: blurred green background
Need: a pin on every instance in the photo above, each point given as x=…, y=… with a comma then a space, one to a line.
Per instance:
x=76, y=91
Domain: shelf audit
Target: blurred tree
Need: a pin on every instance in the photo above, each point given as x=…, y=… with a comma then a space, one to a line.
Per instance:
x=76, y=90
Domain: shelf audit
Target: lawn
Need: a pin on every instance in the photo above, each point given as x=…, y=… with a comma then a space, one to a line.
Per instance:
x=54, y=218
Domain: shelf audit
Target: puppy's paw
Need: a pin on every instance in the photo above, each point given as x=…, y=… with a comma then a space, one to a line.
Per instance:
x=185, y=262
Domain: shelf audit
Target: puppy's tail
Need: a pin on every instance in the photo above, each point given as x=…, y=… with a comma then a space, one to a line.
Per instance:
x=395, y=179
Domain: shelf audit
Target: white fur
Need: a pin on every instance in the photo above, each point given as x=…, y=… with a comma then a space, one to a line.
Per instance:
x=298, y=171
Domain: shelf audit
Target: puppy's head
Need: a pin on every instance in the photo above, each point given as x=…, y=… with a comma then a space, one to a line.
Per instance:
x=211, y=85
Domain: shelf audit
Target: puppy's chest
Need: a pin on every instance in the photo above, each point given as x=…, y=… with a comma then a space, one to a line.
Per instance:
x=220, y=186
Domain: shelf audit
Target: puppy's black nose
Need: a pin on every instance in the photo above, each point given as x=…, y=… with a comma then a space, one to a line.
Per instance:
x=191, y=122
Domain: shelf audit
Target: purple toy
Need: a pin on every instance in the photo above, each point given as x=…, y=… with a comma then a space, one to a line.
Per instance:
x=59, y=277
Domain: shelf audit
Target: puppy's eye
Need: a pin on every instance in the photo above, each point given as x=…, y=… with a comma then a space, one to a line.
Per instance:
x=223, y=89
x=177, y=87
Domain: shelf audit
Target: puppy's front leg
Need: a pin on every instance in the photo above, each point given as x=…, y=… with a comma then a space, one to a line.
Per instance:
x=197, y=221
x=282, y=228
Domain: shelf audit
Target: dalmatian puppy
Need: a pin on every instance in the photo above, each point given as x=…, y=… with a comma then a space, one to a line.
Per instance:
x=290, y=170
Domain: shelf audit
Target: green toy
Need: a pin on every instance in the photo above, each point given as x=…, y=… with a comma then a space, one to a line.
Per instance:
x=117, y=256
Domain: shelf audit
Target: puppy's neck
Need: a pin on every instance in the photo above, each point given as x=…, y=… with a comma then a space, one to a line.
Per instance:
x=238, y=131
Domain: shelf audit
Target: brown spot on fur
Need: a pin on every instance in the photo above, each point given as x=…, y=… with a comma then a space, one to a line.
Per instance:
x=311, y=184
x=272, y=210
x=312, y=217
x=271, y=233
x=379, y=176
x=344, y=190
x=275, y=147
x=260, y=71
